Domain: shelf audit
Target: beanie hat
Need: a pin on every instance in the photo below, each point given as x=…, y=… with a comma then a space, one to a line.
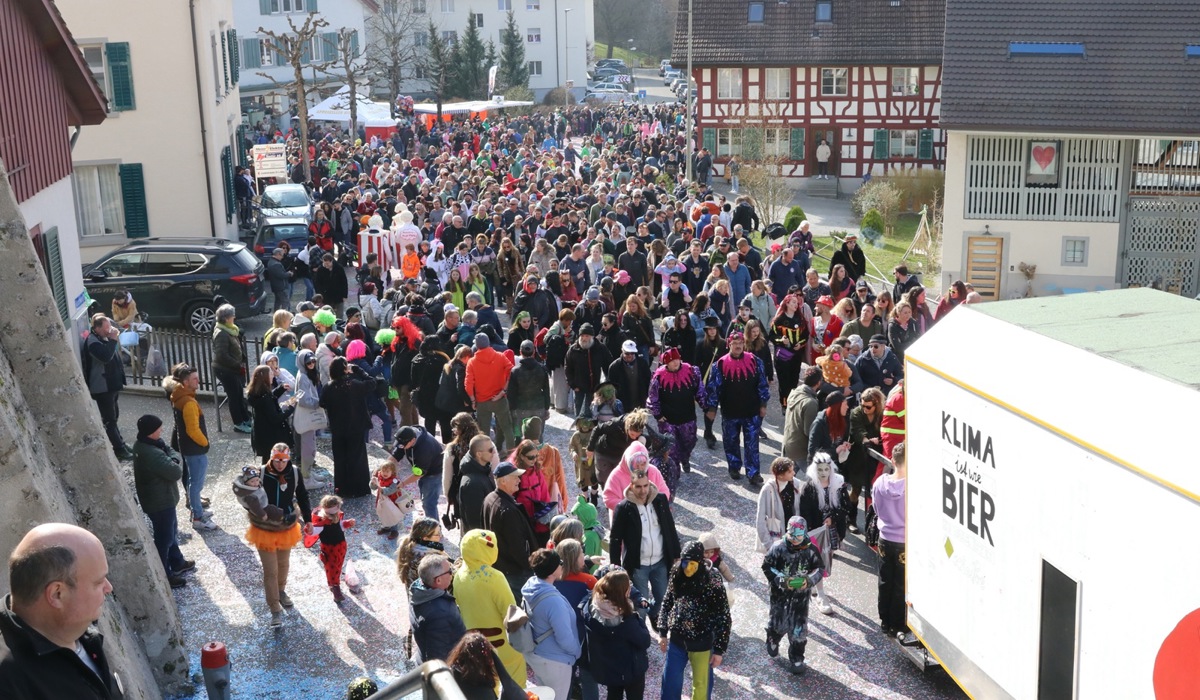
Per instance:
x=147, y=424
x=356, y=350
x=710, y=541
x=482, y=341
x=547, y=563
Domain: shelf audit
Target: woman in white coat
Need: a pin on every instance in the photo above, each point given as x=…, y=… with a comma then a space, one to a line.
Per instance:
x=778, y=501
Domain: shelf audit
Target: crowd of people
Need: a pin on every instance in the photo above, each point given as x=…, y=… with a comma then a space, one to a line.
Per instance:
x=637, y=303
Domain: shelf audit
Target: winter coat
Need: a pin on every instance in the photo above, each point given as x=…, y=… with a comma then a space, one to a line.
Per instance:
x=105, y=372
x=156, y=475
x=820, y=439
x=487, y=375
x=426, y=373
x=855, y=262
x=452, y=393
x=550, y=612
x=769, y=520
x=621, y=476
x=345, y=400
x=425, y=455
x=615, y=649
x=625, y=537
x=190, y=430
x=802, y=408
x=435, y=621
x=227, y=350
x=696, y=622
x=585, y=367
x=271, y=423
x=632, y=394
x=529, y=386
x=331, y=284
x=541, y=305
x=514, y=534
x=476, y=484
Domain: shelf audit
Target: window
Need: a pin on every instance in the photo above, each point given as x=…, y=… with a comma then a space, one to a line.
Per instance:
x=756, y=13
x=123, y=265
x=535, y=68
x=216, y=65
x=729, y=83
x=1033, y=48
x=905, y=82
x=286, y=6
x=266, y=55
x=533, y=4
x=778, y=83
x=477, y=19
x=903, y=143
x=533, y=35
x=421, y=39
x=504, y=5
x=171, y=263
x=418, y=7
x=729, y=142
x=447, y=6
x=450, y=37
x=419, y=72
x=835, y=81
x=98, y=200
x=777, y=143
x=1075, y=252
x=1192, y=51
x=94, y=56
x=824, y=11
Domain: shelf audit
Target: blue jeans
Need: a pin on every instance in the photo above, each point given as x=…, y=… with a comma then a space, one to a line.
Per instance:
x=309, y=291
x=672, y=678
x=197, y=470
x=431, y=490
x=652, y=581
x=166, y=538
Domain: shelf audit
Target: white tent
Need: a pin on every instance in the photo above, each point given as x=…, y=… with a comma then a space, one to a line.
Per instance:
x=336, y=108
x=463, y=107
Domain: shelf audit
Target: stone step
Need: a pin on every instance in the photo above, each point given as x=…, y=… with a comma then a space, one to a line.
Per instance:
x=822, y=188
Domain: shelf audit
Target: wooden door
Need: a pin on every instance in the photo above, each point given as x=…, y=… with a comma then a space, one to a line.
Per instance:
x=985, y=259
x=825, y=135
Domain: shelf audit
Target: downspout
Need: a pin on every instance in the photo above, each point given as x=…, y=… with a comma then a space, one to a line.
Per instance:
x=212, y=217
x=75, y=136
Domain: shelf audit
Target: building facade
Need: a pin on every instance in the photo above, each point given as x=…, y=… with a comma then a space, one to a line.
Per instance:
x=46, y=89
x=778, y=78
x=162, y=163
x=1071, y=166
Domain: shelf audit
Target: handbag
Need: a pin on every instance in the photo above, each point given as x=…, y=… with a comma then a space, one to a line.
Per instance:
x=388, y=512
x=784, y=354
x=306, y=420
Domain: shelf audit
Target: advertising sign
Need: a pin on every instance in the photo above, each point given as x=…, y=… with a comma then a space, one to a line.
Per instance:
x=270, y=160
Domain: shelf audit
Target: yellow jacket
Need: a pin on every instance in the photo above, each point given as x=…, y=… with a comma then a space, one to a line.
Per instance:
x=483, y=597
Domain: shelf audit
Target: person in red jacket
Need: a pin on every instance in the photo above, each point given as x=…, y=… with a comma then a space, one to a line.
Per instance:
x=486, y=384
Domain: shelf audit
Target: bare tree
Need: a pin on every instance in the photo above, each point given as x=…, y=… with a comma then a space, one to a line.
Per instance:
x=392, y=53
x=296, y=50
x=761, y=175
x=617, y=21
x=346, y=64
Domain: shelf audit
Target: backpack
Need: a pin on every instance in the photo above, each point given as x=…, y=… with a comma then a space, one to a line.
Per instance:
x=520, y=626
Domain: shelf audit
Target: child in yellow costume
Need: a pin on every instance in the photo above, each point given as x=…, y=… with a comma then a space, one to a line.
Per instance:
x=483, y=597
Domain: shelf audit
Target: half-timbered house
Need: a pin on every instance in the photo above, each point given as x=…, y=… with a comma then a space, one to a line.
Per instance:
x=778, y=77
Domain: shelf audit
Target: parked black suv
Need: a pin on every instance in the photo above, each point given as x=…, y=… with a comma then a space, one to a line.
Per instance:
x=174, y=280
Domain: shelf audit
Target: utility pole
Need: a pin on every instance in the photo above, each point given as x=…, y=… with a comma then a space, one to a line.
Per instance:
x=567, y=57
x=690, y=127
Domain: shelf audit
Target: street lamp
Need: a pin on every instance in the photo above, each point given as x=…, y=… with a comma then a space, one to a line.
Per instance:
x=567, y=57
x=688, y=82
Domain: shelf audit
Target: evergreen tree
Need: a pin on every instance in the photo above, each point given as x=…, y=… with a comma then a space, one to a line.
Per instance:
x=514, y=72
x=470, y=81
x=439, y=67
x=489, y=59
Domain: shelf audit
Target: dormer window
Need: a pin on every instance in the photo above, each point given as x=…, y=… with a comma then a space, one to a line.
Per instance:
x=824, y=11
x=756, y=13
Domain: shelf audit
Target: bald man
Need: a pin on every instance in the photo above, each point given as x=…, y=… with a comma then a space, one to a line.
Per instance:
x=58, y=576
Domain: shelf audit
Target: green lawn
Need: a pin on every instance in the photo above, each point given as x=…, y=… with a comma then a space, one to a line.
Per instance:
x=881, y=260
x=631, y=58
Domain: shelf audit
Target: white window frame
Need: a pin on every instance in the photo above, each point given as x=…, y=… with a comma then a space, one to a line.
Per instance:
x=903, y=143
x=906, y=82
x=729, y=83
x=533, y=35
x=94, y=199
x=450, y=37
x=419, y=7
x=477, y=19
x=1075, y=251
x=99, y=72
x=421, y=39
x=285, y=7
x=729, y=143
x=777, y=142
x=447, y=7
x=534, y=67
x=504, y=5
x=266, y=54
x=835, y=82
x=533, y=5
x=777, y=83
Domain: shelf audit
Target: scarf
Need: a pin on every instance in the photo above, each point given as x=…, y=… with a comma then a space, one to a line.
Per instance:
x=159, y=443
x=230, y=328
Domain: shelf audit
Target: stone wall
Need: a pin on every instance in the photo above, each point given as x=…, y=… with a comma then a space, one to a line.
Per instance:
x=56, y=466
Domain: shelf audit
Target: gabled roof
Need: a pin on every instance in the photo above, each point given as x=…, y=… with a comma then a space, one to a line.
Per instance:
x=862, y=32
x=89, y=106
x=1134, y=76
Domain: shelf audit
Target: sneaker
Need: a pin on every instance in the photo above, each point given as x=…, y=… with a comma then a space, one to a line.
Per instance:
x=187, y=565
x=284, y=599
x=177, y=581
x=687, y=467
x=798, y=668
x=203, y=524
x=338, y=596
x=276, y=619
x=244, y=427
x=756, y=481
x=125, y=454
x=854, y=529
x=823, y=606
x=207, y=513
x=735, y=474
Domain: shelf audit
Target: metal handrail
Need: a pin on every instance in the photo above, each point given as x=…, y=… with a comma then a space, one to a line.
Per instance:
x=432, y=677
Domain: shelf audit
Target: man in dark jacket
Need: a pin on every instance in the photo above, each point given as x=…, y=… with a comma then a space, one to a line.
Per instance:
x=585, y=364
x=106, y=378
x=423, y=453
x=277, y=277
x=433, y=615
x=528, y=389
x=630, y=374
x=330, y=282
x=851, y=256
x=487, y=321
x=475, y=483
x=537, y=301
x=645, y=507
x=34, y=662
x=590, y=311
x=156, y=473
x=879, y=367
x=514, y=534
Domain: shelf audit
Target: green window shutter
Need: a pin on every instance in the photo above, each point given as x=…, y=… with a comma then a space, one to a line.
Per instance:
x=227, y=181
x=881, y=145
x=133, y=195
x=225, y=59
x=120, y=76
x=329, y=46
x=354, y=44
x=264, y=7
x=54, y=273
x=796, y=147
x=312, y=5
x=251, y=55
x=306, y=53
x=925, y=144
x=235, y=59
x=709, y=139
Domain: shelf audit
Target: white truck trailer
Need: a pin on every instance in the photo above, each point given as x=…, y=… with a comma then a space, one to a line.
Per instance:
x=1054, y=496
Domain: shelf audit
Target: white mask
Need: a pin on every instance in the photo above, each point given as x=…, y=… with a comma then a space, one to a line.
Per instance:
x=823, y=470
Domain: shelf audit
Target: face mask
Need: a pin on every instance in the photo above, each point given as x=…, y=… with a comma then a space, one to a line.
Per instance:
x=823, y=471
x=836, y=357
x=689, y=569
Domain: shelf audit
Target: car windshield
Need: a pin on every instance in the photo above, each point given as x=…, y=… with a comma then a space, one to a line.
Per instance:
x=284, y=232
x=285, y=198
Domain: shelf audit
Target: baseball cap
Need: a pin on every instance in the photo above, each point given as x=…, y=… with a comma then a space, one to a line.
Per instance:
x=505, y=468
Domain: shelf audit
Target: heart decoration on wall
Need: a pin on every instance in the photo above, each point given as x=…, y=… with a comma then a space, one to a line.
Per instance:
x=1044, y=156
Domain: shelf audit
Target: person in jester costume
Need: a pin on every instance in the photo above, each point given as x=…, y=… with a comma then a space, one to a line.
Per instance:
x=675, y=389
x=793, y=567
x=738, y=384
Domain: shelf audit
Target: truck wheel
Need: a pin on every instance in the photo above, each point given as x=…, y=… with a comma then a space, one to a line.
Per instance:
x=201, y=317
